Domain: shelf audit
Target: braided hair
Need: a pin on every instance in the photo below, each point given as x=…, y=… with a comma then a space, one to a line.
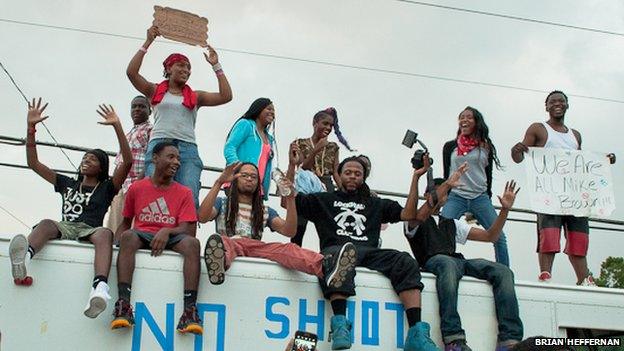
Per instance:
x=257, y=207
x=330, y=111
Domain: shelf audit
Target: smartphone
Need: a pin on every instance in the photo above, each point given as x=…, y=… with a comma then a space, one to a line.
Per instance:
x=410, y=138
x=304, y=341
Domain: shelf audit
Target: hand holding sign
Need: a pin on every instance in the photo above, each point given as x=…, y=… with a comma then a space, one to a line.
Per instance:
x=181, y=26
x=152, y=33
x=212, y=56
x=569, y=182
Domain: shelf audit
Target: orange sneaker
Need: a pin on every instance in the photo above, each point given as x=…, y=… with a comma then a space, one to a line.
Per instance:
x=124, y=317
x=190, y=321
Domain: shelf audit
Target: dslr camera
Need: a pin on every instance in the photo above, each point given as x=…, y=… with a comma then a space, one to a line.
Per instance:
x=409, y=140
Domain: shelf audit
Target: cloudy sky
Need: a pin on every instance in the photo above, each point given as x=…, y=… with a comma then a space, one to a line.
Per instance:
x=298, y=53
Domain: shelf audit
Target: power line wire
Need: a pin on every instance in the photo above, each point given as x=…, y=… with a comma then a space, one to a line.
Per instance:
x=332, y=64
x=43, y=123
x=511, y=17
x=384, y=193
x=14, y=216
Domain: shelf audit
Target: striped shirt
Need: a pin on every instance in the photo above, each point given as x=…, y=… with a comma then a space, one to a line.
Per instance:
x=243, y=224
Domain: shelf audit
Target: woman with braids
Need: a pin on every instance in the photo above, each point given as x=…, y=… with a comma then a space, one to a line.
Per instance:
x=320, y=156
x=175, y=107
x=249, y=140
x=474, y=146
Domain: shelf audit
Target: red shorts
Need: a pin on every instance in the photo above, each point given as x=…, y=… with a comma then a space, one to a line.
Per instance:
x=576, y=231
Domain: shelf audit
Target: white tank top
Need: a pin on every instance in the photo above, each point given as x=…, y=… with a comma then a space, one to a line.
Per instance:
x=558, y=140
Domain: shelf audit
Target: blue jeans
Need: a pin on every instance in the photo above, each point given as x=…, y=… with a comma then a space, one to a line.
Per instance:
x=449, y=270
x=191, y=165
x=481, y=207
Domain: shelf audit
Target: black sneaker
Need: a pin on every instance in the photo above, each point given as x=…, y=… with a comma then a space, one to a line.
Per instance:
x=190, y=321
x=214, y=257
x=340, y=265
x=124, y=317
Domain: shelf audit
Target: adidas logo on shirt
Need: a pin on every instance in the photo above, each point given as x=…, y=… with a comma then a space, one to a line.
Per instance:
x=157, y=212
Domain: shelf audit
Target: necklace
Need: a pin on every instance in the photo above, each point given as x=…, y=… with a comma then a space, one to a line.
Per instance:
x=92, y=192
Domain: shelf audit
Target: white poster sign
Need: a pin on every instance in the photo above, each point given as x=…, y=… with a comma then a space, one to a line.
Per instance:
x=569, y=182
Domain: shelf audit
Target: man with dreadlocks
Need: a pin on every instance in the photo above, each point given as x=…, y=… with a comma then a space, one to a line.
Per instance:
x=85, y=201
x=352, y=215
x=242, y=216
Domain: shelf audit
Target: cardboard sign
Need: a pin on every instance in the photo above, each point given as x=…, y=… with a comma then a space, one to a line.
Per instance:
x=569, y=182
x=181, y=26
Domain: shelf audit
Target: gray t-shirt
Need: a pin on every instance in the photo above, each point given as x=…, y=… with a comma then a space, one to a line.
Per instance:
x=474, y=181
x=174, y=120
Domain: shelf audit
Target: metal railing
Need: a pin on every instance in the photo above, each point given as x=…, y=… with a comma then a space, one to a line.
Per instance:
x=616, y=226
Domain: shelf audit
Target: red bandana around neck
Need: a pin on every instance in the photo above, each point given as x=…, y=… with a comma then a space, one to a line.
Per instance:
x=465, y=144
x=190, y=97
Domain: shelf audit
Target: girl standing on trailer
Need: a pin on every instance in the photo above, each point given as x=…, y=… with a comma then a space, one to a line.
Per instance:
x=249, y=140
x=175, y=107
x=320, y=156
x=473, y=145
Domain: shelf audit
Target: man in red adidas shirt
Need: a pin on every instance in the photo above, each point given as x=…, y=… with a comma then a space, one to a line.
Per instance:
x=164, y=213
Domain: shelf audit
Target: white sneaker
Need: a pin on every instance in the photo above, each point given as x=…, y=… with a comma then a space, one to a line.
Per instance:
x=18, y=249
x=97, y=300
x=588, y=281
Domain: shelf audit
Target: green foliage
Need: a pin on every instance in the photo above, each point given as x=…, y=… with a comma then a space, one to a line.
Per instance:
x=612, y=273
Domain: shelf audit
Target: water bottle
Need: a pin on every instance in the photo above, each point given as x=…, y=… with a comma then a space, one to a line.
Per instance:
x=280, y=179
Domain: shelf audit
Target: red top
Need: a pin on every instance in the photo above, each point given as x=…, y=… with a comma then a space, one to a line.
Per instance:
x=190, y=97
x=154, y=208
x=465, y=144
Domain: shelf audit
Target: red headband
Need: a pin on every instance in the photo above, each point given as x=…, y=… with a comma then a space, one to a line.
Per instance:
x=173, y=58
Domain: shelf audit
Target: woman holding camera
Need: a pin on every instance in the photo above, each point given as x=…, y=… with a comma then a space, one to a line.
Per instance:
x=474, y=146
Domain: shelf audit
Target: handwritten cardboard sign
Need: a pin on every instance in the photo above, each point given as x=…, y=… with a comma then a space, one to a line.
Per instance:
x=181, y=26
x=569, y=182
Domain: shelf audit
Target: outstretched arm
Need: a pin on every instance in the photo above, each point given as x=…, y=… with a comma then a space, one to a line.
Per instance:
x=294, y=160
x=225, y=91
x=287, y=227
x=207, y=211
x=410, y=211
x=141, y=84
x=493, y=232
x=427, y=209
x=33, y=118
x=111, y=119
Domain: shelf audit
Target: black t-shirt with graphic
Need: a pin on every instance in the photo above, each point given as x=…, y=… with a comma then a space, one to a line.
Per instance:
x=340, y=217
x=85, y=204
